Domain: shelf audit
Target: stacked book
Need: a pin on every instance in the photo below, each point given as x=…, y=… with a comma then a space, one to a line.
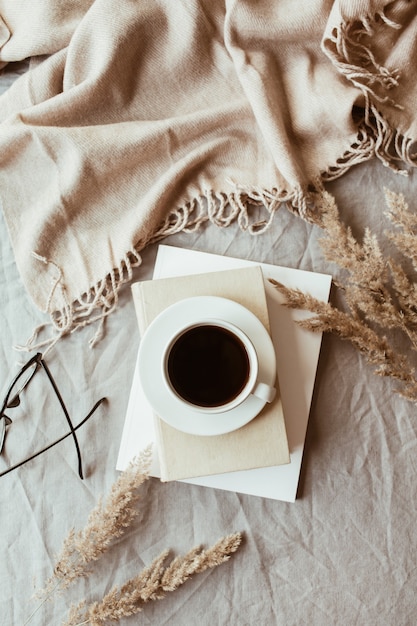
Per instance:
x=264, y=456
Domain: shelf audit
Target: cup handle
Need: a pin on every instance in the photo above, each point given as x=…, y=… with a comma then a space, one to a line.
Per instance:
x=264, y=392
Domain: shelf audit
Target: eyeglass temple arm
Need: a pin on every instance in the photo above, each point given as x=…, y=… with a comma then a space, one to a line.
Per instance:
x=64, y=408
x=51, y=445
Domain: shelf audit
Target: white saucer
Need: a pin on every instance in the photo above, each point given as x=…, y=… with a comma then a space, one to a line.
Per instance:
x=151, y=350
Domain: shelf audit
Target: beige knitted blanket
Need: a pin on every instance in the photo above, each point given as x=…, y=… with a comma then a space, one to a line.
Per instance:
x=148, y=117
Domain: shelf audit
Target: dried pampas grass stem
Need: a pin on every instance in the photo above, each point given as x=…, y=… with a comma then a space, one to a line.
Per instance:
x=107, y=521
x=380, y=296
x=152, y=584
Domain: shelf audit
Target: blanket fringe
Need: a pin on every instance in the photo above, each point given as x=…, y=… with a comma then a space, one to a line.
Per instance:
x=376, y=138
x=349, y=52
x=92, y=307
x=356, y=61
x=219, y=208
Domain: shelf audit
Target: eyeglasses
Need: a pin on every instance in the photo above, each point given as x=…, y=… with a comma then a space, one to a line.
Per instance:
x=12, y=400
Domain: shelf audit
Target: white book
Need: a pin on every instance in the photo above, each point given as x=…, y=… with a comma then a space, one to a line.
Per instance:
x=297, y=353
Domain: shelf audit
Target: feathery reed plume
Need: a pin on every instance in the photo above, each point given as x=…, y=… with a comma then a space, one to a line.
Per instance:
x=401, y=216
x=379, y=294
x=370, y=343
x=152, y=584
x=366, y=289
x=107, y=521
x=196, y=561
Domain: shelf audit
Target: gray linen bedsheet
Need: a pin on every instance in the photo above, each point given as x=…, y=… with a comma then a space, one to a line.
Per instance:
x=343, y=554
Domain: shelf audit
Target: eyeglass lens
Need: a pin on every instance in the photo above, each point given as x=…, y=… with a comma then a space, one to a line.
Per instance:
x=21, y=382
x=12, y=398
x=3, y=423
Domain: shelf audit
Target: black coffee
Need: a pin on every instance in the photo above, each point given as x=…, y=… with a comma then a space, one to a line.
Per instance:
x=208, y=366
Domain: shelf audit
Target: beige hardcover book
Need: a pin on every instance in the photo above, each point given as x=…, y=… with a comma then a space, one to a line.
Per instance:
x=260, y=443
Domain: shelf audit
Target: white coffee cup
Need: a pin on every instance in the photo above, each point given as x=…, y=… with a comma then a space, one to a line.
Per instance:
x=227, y=413
x=211, y=366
